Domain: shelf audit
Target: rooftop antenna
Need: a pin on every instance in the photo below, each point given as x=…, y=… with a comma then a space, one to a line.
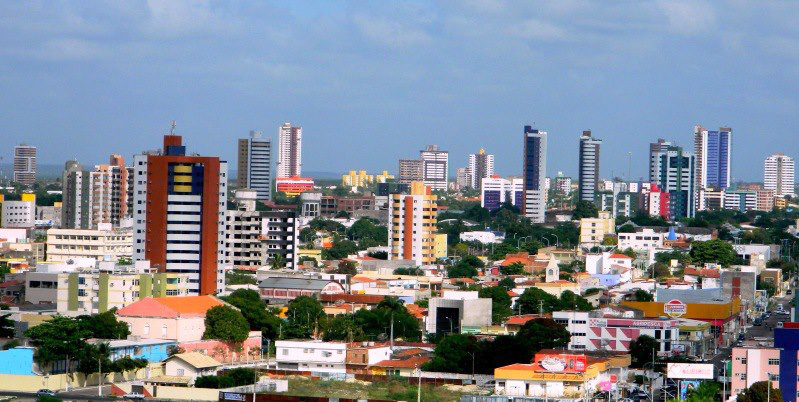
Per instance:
x=172, y=130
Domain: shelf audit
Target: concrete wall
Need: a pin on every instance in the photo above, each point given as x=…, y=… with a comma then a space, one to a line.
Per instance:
x=58, y=382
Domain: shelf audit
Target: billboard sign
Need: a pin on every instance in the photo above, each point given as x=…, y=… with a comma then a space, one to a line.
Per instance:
x=687, y=386
x=675, y=308
x=689, y=371
x=560, y=363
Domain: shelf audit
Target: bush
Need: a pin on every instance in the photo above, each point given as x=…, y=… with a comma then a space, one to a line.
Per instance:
x=230, y=378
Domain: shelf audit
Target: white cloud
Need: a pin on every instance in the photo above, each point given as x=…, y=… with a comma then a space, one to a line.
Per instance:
x=688, y=17
x=533, y=29
x=390, y=33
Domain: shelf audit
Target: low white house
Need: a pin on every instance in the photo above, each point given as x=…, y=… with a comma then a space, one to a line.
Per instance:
x=483, y=236
x=190, y=365
x=313, y=355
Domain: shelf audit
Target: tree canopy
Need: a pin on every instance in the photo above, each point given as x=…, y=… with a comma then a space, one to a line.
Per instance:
x=534, y=299
x=226, y=324
x=760, y=392
x=713, y=251
x=255, y=312
x=500, y=303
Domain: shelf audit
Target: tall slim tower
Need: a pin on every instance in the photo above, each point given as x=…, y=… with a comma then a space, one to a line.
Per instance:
x=534, y=170
x=255, y=165
x=179, y=214
x=436, y=167
x=289, y=151
x=589, y=166
x=713, y=150
x=676, y=170
x=654, y=162
x=481, y=166
x=411, y=235
x=778, y=175
x=25, y=164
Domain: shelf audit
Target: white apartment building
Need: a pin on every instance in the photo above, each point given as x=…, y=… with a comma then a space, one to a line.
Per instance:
x=481, y=166
x=778, y=175
x=412, y=227
x=171, y=225
x=535, y=168
x=314, y=356
x=107, y=286
x=254, y=238
x=436, y=167
x=289, y=151
x=576, y=322
x=495, y=191
x=25, y=164
x=19, y=214
x=255, y=165
x=102, y=244
x=641, y=241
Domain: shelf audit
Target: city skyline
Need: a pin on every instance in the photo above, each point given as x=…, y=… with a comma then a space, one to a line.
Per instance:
x=129, y=89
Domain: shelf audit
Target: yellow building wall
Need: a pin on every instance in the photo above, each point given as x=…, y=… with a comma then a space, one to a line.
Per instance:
x=58, y=382
x=440, y=245
x=720, y=311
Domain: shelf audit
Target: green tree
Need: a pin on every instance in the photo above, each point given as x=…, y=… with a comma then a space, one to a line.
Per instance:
x=453, y=354
x=411, y=271
x=254, y=311
x=226, y=324
x=277, y=261
x=507, y=283
x=516, y=268
x=61, y=338
x=641, y=295
x=544, y=333
x=305, y=317
x=761, y=391
x=344, y=327
x=340, y=249
x=376, y=323
x=533, y=300
x=572, y=301
x=642, y=350
x=346, y=267
x=105, y=325
x=240, y=278
x=713, y=251
x=502, y=250
x=500, y=303
x=6, y=326
x=461, y=270
x=706, y=392
x=585, y=209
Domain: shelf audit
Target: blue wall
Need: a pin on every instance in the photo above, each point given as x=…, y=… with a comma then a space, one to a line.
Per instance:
x=17, y=361
x=153, y=353
x=787, y=339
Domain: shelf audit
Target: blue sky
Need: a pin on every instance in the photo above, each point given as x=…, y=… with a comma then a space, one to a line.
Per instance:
x=374, y=81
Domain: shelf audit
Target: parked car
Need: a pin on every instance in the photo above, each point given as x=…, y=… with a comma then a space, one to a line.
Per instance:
x=134, y=396
x=45, y=392
x=758, y=321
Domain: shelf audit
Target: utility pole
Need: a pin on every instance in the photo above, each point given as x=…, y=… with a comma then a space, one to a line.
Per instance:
x=392, y=332
x=100, y=378
x=541, y=308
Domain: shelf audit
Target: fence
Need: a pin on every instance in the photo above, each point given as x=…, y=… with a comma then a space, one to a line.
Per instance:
x=59, y=382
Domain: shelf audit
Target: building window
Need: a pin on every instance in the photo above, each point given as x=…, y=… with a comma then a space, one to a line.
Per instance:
x=146, y=329
x=773, y=362
x=180, y=372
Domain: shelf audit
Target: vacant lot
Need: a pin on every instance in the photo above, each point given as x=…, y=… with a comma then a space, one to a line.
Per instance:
x=390, y=390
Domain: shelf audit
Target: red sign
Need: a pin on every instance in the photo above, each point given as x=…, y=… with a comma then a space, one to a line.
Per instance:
x=560, y=363
x=675, y=308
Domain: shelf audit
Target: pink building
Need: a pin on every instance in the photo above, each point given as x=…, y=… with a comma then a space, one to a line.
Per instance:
x=750, y=365
x=182, y=319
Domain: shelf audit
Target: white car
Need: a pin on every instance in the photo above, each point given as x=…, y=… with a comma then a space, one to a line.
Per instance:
x=135, y=396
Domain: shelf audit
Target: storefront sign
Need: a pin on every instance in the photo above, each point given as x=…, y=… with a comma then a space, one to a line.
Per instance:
x=689, y=371
x=561, y=363
x=675, y=308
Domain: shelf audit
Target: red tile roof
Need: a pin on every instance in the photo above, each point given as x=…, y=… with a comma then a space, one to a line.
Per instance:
x=705, y=272
x=512, y=294
x=413, y=362
x=7, y=284
x=521, y=319
x=171, y=307
x=347, y=298
x=622, y=256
